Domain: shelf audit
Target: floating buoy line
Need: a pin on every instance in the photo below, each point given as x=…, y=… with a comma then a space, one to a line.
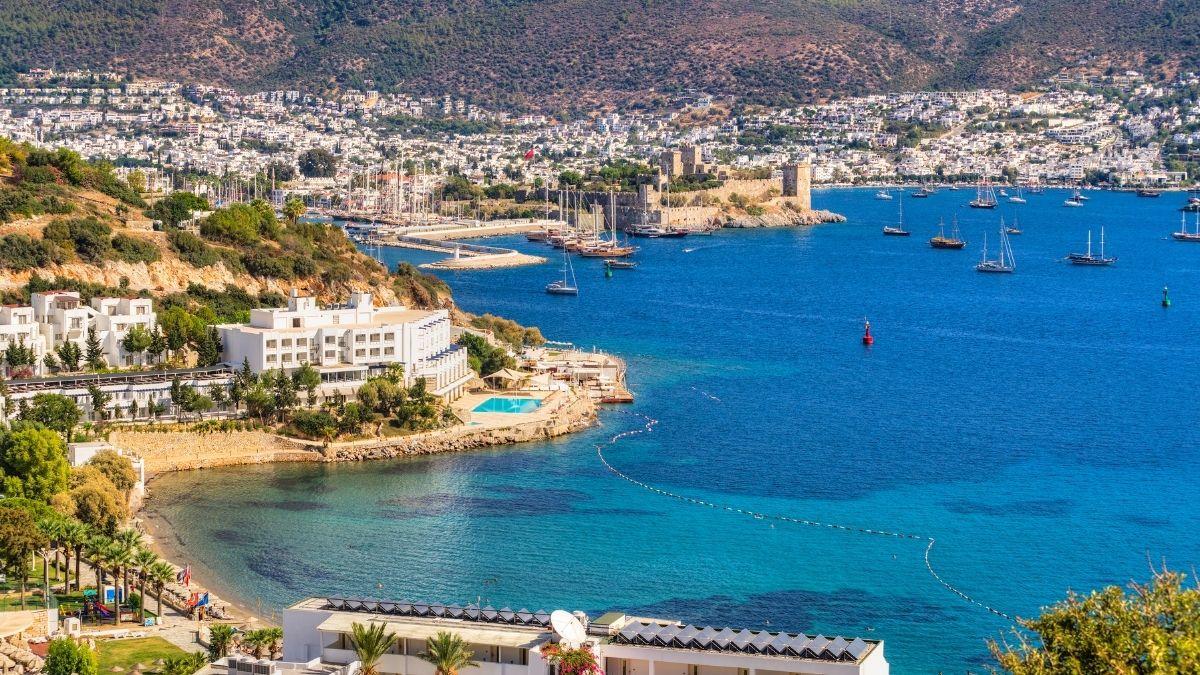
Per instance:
x=649, y=425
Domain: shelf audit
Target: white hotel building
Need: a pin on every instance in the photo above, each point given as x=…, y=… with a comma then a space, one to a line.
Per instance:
x=316, y=633
x=350, y=342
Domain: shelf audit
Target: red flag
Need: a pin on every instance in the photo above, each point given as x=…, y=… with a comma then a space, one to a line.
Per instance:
x=529, y=155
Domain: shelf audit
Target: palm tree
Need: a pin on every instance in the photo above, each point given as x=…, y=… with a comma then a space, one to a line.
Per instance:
x=119, y=559
x=448, y=653
x=96, y=548
x=293, y=209
x=161, y=574
x=371, y=642
x=220, y=639
x=144, y=560
x=75, y=534
x=52, y=527
x=130, y=541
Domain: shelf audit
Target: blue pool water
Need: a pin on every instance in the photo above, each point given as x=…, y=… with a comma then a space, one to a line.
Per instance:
x=1042, y=426
x=508, y=404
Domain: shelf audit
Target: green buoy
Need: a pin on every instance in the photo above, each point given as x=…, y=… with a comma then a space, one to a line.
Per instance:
x=1166, y=301
x=607, y=272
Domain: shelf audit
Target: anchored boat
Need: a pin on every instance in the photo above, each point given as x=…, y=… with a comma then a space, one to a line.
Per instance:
x=1088, y=258
x=1004, y=263
x=951, y=242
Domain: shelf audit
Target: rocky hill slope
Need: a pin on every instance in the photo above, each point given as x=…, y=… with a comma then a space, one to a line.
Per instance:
x=69, y=223
x=562, y=54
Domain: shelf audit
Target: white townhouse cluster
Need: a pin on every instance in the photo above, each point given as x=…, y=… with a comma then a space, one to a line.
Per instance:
x=57, y=317
x=316, y=633
x=347, y=343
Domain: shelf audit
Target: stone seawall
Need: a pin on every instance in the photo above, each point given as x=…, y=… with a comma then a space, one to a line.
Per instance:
x=182, y=450
x=577, y=415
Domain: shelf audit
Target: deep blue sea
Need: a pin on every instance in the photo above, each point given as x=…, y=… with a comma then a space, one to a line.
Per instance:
x=1042, y=426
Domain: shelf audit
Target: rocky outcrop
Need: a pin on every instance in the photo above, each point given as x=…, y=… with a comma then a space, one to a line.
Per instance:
x=784, y=218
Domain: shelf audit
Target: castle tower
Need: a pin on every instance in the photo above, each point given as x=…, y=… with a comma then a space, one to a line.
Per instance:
x=797, y=184
x=671, y=163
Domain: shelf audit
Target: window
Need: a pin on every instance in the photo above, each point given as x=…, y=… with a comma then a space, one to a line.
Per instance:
x=374, y=351
x=295, y=323
x=330, y=355
x=388, y=351
x=287, y=358
x=374, y=337
x=331, y=339
x=271, y=344
x=336, y=319
x=286, y=342
x=360, y=352
x=360, y=338
x=270, y=358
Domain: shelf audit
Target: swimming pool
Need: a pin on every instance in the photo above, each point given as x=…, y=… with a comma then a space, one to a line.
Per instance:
x=508, y=404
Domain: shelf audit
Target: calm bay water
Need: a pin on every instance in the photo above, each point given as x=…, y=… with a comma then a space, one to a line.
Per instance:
x=1042, y=426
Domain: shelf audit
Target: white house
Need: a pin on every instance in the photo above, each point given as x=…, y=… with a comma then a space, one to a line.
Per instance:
x=507, y=642
x=349, y=342
x=19, y=326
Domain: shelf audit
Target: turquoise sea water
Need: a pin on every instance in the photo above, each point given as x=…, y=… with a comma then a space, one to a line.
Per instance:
x=508, y=404
x=1042, y=426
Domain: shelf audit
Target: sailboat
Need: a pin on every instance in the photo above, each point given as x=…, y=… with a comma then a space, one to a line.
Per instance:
x=1017, y=198
x=563, y=286
x=1183, y=234
x=1088, y=258
x=898, y=230
x=611, y=248
x=883, y=194
x=951, y=242
x=985, y=196
x=1011, y=229
x=1004, y=263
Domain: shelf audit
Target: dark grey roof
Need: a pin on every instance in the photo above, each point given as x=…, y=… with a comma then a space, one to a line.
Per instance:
x=520, y=617
x=796, y=645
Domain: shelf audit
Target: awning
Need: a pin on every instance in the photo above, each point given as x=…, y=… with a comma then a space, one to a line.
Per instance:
x=508, y=374
x=472, y=633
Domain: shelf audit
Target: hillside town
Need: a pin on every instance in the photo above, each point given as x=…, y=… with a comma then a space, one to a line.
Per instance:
x=1119, y=129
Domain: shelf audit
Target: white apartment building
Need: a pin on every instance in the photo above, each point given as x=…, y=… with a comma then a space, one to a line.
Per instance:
x=65, y=318
x=506, y=642
x=350, y=342
x=19, y=326
x=56, y=317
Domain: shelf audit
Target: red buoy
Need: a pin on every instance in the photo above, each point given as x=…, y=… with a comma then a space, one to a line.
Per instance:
x=868, y=339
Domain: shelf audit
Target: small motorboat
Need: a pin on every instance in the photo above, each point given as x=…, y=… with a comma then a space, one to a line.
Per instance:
x=615, y=264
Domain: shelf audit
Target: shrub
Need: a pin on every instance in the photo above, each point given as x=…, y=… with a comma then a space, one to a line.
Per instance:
x=88, y=238
x=192, y=249
x=134, y=249
x=22, y=252
x=263, y=264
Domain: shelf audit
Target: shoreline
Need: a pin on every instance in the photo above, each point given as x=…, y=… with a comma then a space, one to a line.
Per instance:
x=563, y=416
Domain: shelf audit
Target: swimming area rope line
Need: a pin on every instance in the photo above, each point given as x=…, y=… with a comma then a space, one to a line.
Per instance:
x=649, y=425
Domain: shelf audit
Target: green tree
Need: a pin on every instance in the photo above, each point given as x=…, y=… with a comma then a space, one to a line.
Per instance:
x=116, y=468
x=293, y=208
x=157, y=346
x=33, y=461
x=70, y=354
x=220, y=640
x=1154, y=628
x=208, y=350
x=20, y=538
x=371, y=641
x=184, y=665
x=161, y=574
x=136, y=180
x=144, y=561
x=68, y=657
x=308, y=379
x=93, y=351
x=100, y=399
x=136, y=340
x=317, y=163
x=448, y=653
x=53, y=411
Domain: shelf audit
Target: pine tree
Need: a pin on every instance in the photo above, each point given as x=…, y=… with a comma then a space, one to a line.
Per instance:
x=94, y=353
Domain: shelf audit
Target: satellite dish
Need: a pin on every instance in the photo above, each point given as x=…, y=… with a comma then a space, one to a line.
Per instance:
x=568, y=627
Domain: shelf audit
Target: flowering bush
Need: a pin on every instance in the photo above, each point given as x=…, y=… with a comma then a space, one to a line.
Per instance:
x=572, y=660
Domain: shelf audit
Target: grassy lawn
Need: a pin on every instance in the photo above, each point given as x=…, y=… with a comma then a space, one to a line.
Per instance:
x=127, y=653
